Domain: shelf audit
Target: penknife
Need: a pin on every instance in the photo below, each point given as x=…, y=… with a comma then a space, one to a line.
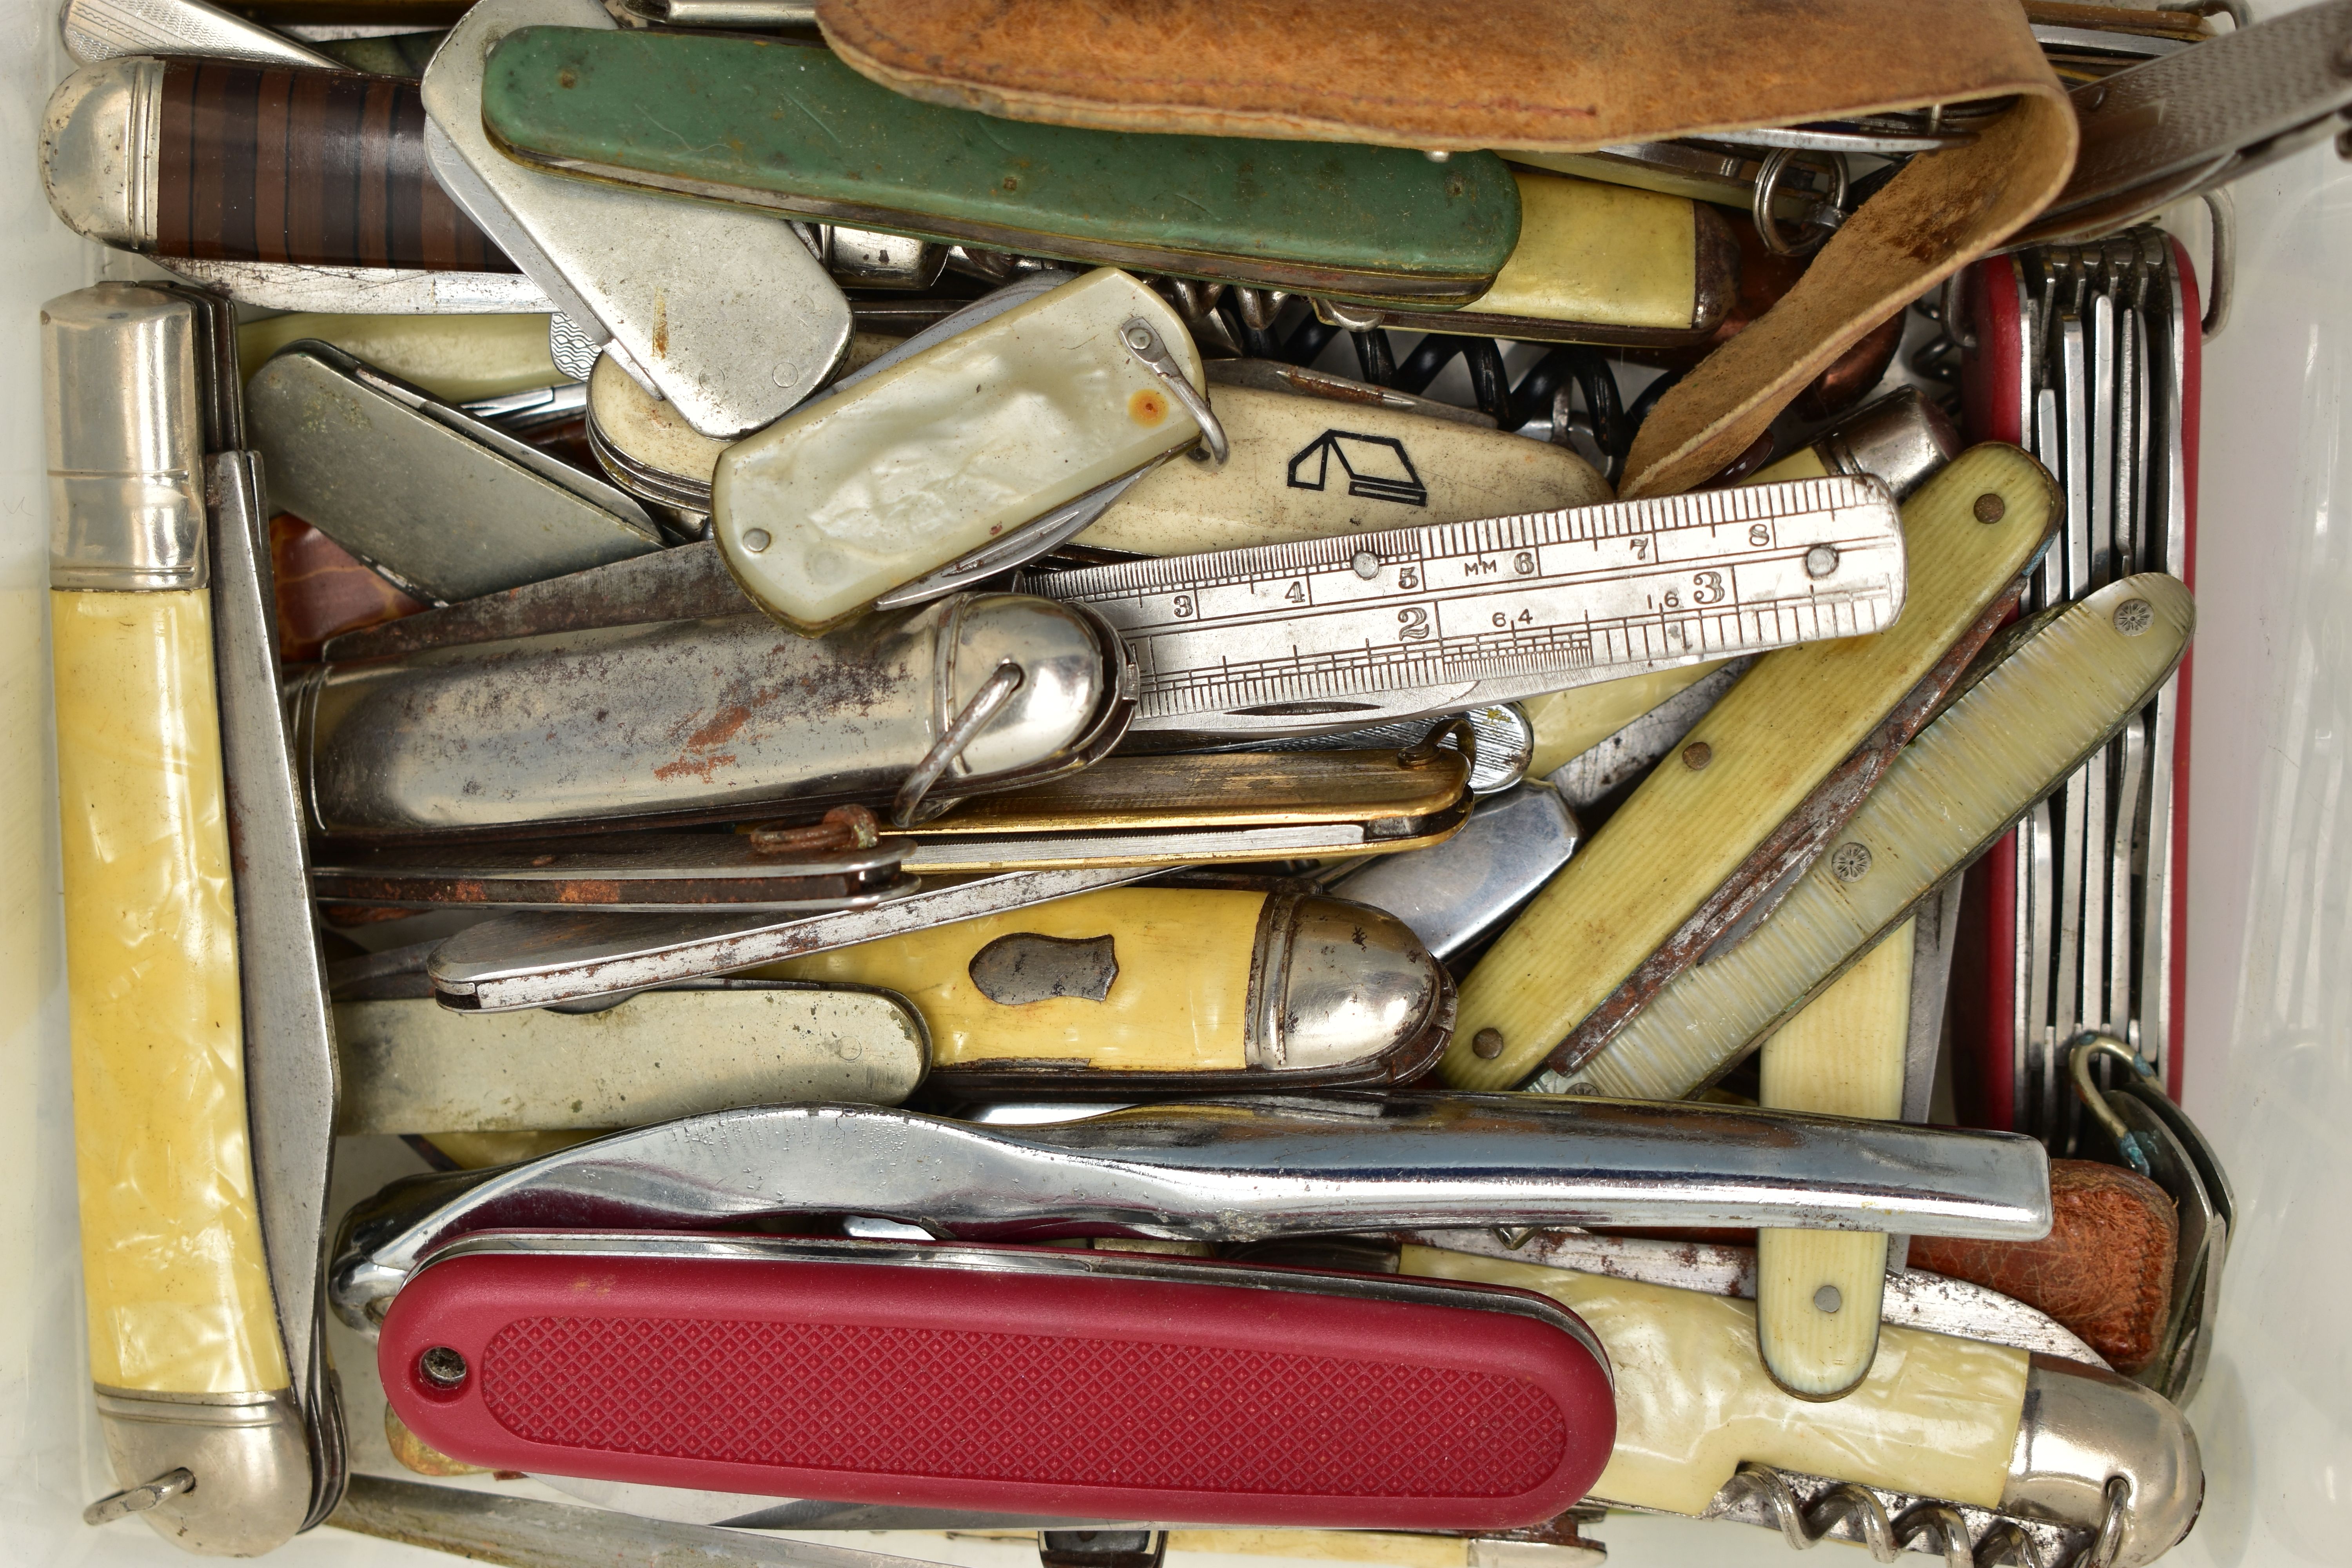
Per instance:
x=1145, y=991
x=1125, y=1385
x=682, y=722
x=198, y=1012
x=775, y=126
x=442, y=504
x=1972, y=1445
x=1760, y=786
x=411, y=1066
x=972, y=448
x=2047, y=694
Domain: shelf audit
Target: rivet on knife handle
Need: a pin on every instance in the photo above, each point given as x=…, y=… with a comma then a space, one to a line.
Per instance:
x=1776, y=737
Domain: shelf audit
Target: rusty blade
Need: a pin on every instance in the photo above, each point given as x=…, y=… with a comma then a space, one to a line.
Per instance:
x=1753, y=892
x=647, y=872
x=688, y=582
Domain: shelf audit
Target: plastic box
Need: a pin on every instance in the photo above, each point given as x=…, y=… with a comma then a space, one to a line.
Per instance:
x=2268, y=1061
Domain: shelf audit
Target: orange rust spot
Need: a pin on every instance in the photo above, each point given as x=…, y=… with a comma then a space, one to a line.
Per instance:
x=1146, y=407
x=721, y=728
x=694, y=767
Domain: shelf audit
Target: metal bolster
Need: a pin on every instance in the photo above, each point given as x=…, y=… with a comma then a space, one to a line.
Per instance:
x=127, y=510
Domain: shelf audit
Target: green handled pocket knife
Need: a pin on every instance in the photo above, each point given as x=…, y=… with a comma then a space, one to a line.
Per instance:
x=767, y=123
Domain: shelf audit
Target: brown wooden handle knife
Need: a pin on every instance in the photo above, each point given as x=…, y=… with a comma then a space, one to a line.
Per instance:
x=224, y=160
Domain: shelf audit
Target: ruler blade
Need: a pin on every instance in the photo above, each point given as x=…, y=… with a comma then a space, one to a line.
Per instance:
x=1334, y=633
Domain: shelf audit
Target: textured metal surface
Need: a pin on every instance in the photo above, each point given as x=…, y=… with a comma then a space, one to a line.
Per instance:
x=444, y=505
x=2161, y=131
x=727, y=313
x=101, y=29
x=1232, y=1170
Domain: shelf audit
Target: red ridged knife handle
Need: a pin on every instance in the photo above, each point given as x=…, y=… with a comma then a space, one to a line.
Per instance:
x=1006, y=1380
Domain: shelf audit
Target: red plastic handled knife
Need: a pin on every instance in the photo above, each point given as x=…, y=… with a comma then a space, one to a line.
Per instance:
x=2089, y=357
x=1086, y=1385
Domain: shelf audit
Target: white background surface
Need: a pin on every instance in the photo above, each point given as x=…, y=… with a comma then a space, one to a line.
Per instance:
x=2269, y=1075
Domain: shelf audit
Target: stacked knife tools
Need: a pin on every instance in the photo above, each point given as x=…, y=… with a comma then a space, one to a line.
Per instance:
x=870, y=765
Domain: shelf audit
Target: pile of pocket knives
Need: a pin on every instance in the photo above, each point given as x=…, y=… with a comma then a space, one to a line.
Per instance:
x=1001, y=766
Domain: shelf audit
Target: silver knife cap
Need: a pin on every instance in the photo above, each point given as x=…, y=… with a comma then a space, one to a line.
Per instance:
x=100, y=140
x=2084, y=1429
x=118, y=371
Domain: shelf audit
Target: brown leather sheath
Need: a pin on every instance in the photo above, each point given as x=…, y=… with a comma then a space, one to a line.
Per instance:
x=1939, y=213
x=1554, y=75
x=2105, y=1270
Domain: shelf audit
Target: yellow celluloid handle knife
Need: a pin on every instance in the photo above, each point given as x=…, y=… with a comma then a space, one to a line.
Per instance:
x=183, y=1339
x=1743, y=768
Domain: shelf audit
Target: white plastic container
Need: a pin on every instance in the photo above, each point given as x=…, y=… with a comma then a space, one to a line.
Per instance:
x=2268, y=944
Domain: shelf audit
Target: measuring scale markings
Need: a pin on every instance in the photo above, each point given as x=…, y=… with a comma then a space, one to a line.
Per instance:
x=1557, y=599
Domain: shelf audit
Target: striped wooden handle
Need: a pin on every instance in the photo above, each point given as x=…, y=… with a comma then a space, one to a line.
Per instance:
x=319, y=168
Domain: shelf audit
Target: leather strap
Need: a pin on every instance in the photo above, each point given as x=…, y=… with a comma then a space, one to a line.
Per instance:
x=1939, y=214
x=1557, y=75
x=1554, y=75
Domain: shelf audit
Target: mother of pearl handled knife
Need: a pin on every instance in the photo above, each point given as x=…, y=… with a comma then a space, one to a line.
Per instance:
x=2026, y=1437
x=1241, y=1168
x=1610, y=927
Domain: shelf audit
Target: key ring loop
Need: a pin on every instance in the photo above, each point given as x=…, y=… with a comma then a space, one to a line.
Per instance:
x=1142, y=340
x=985, y=704
x=1767, y=183
x=2079, y=1051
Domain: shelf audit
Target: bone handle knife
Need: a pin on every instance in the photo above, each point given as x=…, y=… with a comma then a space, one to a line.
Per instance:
x=1818, y=1292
